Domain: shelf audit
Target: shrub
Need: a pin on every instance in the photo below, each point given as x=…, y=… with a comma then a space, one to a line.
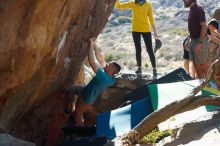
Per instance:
x=109, y=58
x=180, y=31
x=155, y=136
x=146, y=65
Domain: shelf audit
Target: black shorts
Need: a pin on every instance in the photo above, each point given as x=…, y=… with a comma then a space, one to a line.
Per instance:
x=185, y=54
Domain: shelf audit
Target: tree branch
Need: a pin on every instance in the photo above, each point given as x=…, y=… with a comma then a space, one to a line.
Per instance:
x=201, y=100
x=211, y=72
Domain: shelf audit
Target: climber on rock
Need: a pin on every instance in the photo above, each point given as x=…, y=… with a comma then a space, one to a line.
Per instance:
x=87, y=95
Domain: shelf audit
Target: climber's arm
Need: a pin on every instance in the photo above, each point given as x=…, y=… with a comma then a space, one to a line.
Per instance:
x=124, y=5
x=91, y=55
x=99, y=56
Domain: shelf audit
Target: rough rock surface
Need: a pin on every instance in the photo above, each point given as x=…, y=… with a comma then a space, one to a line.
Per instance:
x=216, y=13
x=42, y=47
x=126, y=82
x=8, y=140
x=204, y=131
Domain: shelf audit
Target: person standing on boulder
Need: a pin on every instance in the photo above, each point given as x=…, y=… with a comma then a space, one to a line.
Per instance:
x=87, y=95
x=198, y=50
x=214, y=41
x=214, y=47
x=188, y=65
x=142, y=20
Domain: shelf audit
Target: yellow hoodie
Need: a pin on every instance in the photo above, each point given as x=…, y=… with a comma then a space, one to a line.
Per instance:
x=142, y=16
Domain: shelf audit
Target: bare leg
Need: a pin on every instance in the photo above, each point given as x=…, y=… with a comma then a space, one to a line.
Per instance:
x=204, y=69
x=201, y=70
x=71, y=95
x=192, y=70
x=72, y=103
x=81, y=107
x=198, y=70
x=186, y=65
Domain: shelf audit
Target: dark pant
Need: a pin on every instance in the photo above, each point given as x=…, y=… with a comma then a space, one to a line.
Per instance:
x=148, y=43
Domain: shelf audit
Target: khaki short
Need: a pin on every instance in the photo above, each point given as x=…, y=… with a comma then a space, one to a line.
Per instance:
x=198, y=58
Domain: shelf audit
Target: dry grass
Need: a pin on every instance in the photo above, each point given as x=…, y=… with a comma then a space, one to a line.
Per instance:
x=117, y=44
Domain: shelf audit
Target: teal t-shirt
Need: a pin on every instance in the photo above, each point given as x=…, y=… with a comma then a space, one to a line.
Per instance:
x=99, y=83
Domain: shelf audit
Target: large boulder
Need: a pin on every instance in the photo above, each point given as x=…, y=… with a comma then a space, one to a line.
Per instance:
x=216, y=13
x=203, y=131
x=42, y=47
x=126, y=82
x=8, y=140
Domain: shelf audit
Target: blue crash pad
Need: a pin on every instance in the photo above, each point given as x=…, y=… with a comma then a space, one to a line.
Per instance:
x=122, y=120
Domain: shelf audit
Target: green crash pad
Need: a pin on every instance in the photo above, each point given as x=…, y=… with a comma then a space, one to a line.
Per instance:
x=164, y=94
x=212, y=89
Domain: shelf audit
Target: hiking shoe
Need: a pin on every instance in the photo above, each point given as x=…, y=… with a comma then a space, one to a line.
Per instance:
x=154, y=77
x=154, y=74
x=139, y=70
